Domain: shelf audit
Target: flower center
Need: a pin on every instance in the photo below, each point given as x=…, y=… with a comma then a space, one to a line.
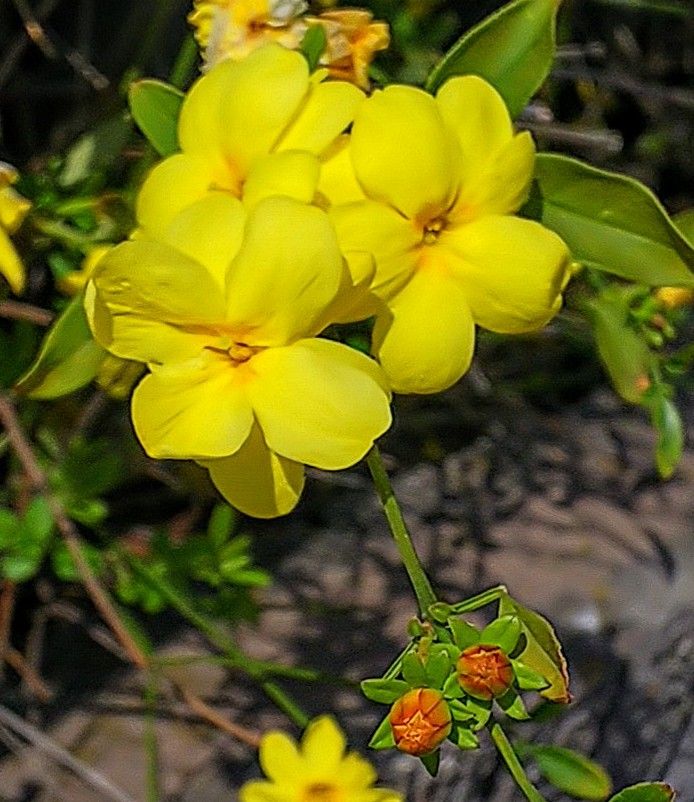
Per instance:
x=432, y=229
x=240, y=352
x=321, y=792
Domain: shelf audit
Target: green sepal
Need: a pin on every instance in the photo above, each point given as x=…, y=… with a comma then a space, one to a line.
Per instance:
x=431, y=762
x=155, y=107
x=463, y=737
x=527, y=679
x=68, y=359
x=452, y=689
x=384, y=691
x=512, y=704
x=569, y=771
x=645, y=792
x=413, y=671
x=667, y=422
x=480, y=710
x=383, y=736
x=503, y=632
x=610, y=222
x=464, y=634
x=313, y=45
x=437, y=668
x=513, y=49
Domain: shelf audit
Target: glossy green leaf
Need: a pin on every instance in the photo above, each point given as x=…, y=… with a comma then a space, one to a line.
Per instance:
x=611, y=222
x=570, y=772
x=512, y=704
x=667, y=422
x=464, y=634
x=513, y=49
x=68, y=358
x=527, y=679
x=438, y=667
x=384, y=691
x=623, y=351
x=645, y=792
x=543, y=652
x=155, y=107
x=464, y=738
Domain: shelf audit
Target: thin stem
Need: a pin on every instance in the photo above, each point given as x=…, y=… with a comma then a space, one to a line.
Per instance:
x=514, y=766
x=17, y=310
x=418, y=578
x=480, y=600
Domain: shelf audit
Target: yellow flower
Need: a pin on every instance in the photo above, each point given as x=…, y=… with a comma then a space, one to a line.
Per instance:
x=13, y=210
x=224, y=309
x=352, y=41
x=317, y=771
x=74, y=281
x=231, y=29
x=429, y=186
x=249, y=128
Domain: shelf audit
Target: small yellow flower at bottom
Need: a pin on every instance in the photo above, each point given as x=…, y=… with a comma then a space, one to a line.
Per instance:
x=317, y=770
x=13, y=210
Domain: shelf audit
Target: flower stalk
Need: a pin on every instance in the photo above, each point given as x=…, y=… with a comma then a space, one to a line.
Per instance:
x=514, y=766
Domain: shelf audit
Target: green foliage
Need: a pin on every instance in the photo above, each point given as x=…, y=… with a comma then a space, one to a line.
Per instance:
x=69, y=357
x=610, y=222
x=569, y=771
x=155, y=107
x=513, y=49
x=645, y=792
x=25, y=540
x=95, y=150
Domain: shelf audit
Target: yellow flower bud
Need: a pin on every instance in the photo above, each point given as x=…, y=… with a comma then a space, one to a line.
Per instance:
x=484, y=672
x=421, y=721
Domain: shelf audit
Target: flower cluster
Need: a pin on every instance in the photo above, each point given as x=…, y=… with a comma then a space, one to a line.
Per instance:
x=317, y=771
x=272, y=224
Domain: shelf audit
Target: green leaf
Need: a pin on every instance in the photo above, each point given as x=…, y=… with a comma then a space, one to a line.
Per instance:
x=9, y=527
x=569, y=771
x=38, y=521
x=68, y=358
x=624, y=353
x=512, y=704
x=384, y=691
x=452, y=688
x=611, y=222
x=527, y=679
x=64, y=566
x=221, y=524
x=645, y=792
x=95, y=150
x=313, y=44
x=513, y=49
x=22, y=566
x=543, y=652
x=464, y=738
x=685, y=223
x=431, y=762
x=502, y=632
x=155, y=107
x=437, y=668
x=464, y=634
x=383, y=737
x=413, y=671
x=667, y=422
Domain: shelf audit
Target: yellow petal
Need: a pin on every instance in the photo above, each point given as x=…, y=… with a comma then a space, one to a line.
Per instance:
x=425, y=341
x=403, y=154
x=11, y=266
x=319, y=402
x=323, y=746
x=280, y=759
x=287, y=272
x=261, y=791
x=13, y=208
x=192, y=410
x=210, y=231
x=328, y=109
x=356, y=774
x=171, y=186
x=381, y=231
x=257, y=481
x=514, y=271
x=338, y=182
x=355, y=301
x=149, y=302
x=293, y=173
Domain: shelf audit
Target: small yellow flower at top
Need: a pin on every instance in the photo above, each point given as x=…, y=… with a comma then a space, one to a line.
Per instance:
x=353, y=39
x=318, y=770
x=13, y=209
x=231, y=29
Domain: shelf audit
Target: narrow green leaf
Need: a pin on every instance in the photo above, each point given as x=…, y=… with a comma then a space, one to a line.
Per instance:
x=68, y=358
x=645, y=792
x=527, y=679
x=667, y=422
x=543, y=652
x=570, y=772
x=155, y=107
x=384, y=691
x=611, y=222
x=624, y=353
x=221, y=524
x=513, y=49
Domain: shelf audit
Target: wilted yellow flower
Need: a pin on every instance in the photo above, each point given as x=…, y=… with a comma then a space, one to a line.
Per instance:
x=231, y=29
x=74, y=281
x=262, y=115
x=421, y=721
x=353, y=39
x=675, y=297
x=224, y=309
x=428, y=186
x=318, y=770
x=13, y=210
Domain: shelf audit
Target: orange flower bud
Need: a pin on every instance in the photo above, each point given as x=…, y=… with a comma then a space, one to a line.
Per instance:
x=421, y=721
x=484, y=672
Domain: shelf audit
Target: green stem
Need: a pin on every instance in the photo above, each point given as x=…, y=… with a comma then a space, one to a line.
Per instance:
x=418, y=578
x=184, y=66
x=480, y=600
x=514, y=766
